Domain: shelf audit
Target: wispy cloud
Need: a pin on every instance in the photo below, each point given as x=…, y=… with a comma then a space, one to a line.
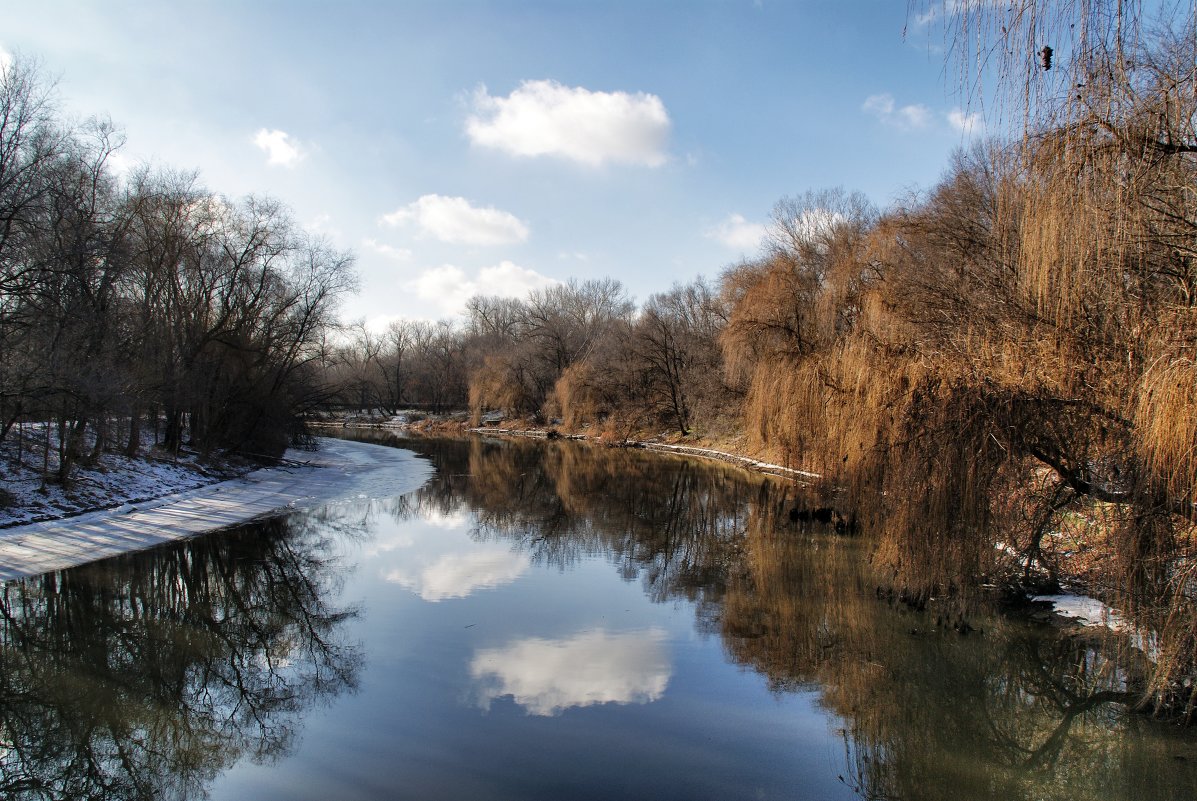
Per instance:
x=389, y=251
x=939, y=9
x=918, y=117
x=280, y=148
x=447, y=288
x=323, y=225
x=738, y=233
x=967, y=124
x=545, y=118
x=455, y=220
x=907, y=118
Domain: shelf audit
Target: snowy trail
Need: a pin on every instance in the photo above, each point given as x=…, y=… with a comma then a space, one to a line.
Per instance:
x=340, y=469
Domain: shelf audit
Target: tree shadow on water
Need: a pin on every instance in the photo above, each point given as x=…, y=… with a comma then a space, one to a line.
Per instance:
x=145, y=676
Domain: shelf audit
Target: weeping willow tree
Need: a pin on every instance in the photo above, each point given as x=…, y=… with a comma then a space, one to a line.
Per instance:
x=1015, y=351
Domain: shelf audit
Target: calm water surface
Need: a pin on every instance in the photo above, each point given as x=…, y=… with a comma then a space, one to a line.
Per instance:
x=549, y=621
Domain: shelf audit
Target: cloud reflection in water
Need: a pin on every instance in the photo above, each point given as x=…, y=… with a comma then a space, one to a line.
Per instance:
x=457, y=575
x=434, y=557
x=547, y=677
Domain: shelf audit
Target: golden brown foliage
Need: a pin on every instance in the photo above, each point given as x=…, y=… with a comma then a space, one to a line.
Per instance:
x=1026, y=328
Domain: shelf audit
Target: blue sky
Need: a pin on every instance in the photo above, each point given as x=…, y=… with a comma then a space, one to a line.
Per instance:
x=461, y=147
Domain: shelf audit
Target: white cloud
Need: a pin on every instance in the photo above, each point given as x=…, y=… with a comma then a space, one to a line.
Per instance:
x=5, y=60
x=279, y=146
x=448, y=287
x=380, y=322
x=457, y=575
x=544, y=118
x=967, y=124
x=547, y=677
x=387, y=251
x=738, y=233
x=906, y=118
x=947, y=8
x=322, y=225
x=454, y=220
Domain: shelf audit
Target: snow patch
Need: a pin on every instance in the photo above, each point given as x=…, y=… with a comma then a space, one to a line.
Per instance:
x=340, y=471
x=1091, y=612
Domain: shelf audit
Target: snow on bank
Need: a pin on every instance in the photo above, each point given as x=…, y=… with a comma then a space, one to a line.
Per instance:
x=682, y=450
x=1084, y=610
x=339, y=470
x=25, y=497
x=1091, y=612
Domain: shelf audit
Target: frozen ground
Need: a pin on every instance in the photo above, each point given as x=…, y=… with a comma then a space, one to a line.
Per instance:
x=1092, y=612
x=113, y=480
x=339, y=470
x=1083, y=609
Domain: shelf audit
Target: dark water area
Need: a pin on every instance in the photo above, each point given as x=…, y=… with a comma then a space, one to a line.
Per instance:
x=547, y=620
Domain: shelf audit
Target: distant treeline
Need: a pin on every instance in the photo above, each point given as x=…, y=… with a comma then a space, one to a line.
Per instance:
x=1009, y=357
x=147, y=300
x=579, y=352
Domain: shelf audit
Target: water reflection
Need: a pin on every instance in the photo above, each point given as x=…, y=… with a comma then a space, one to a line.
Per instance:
x=424, y=557
x=546, y=677
x=143, y=677
x=1011, y=710
x=457, y=575
x=148, y=676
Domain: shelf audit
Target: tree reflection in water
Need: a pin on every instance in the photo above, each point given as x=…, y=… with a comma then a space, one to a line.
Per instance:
x=144, y=676
x=1016, y=710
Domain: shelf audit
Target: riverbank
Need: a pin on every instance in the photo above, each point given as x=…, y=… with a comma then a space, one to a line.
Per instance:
x=432, y=426
x=29, y=463
x=340, y=469
x=1073, y=603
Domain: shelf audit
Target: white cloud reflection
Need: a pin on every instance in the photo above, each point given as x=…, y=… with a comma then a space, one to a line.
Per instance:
x=435, y=556
x=547, y=677
x=457, y=575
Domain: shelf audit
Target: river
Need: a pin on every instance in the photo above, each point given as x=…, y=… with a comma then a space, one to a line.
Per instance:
x=549, y=620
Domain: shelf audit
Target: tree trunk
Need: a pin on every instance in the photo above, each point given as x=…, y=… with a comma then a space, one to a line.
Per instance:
x=70, y=450
x=172, y=438
x=101, y=439
x=133, y=447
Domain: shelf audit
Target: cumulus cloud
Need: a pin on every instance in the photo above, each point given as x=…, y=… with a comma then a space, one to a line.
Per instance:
x=448, y=287
x=546, y=677
x=279, y=146
x=967, y=124
x=454, y=220
x=738, y=233
x=906, y=118
x=545, y=118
